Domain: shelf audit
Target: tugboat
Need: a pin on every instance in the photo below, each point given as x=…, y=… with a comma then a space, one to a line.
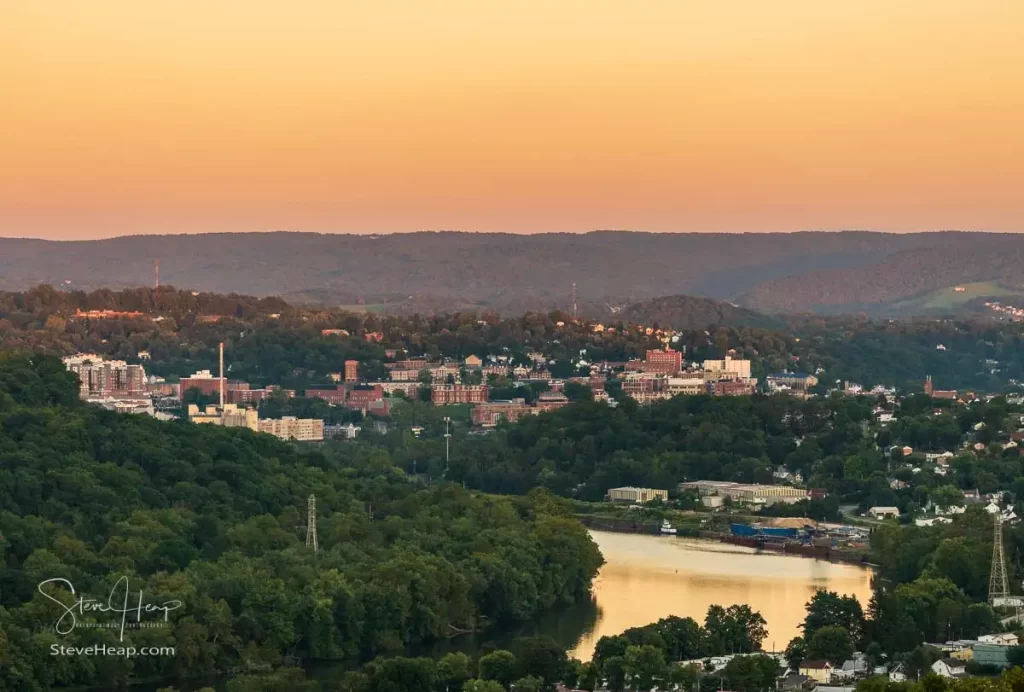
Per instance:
x=667, y=529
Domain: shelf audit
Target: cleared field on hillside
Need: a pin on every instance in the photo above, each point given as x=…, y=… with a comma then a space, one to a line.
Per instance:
x=949, y=298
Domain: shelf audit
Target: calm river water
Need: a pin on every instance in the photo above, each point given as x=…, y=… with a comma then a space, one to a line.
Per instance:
x=646, y=578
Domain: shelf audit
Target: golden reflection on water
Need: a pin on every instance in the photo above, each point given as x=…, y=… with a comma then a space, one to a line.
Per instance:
x=646, y=578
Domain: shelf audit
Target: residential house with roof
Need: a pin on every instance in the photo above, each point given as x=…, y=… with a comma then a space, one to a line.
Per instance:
x=950, y=668
x=819, y=671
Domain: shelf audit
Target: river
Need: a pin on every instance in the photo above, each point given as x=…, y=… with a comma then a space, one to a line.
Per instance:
x=646, y=578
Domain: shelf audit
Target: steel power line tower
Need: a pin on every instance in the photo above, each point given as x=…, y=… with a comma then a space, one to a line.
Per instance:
x=574, y=300
x=998, y=584
x=311, y=541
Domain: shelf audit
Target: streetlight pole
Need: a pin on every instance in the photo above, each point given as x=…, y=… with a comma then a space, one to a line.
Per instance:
x=447, y=449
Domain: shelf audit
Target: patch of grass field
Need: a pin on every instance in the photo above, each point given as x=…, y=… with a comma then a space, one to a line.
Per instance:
x=371, y=307
x=949, y=298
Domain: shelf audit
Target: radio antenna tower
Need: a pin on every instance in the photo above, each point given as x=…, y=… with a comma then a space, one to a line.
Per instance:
x=311, y=541
x=574, y=300
x=998, y=584
x=156, y=274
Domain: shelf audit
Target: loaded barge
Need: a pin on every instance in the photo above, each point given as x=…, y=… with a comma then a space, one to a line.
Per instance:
x=787, y=541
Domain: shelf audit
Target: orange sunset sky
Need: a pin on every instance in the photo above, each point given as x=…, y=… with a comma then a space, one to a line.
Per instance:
x=180, y=116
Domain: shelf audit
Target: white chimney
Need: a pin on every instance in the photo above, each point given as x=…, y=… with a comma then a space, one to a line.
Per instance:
x=221, y=382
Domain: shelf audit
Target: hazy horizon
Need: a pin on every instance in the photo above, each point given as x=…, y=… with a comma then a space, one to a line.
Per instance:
x=518, y=233
x=127, y=118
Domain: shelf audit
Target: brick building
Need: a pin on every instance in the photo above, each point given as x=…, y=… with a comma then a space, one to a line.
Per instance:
x=351, y=370
x=488, y=415
x=730, y=388
x=206, y=382
x=364, y=398
x=332, y=395
x=445, y=394
x=549, y=401
x=664, y=362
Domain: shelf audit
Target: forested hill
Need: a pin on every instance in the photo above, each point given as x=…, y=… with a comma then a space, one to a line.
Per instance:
x=215, y=518
x=689, y=312
x=269, y=341
x=425, y=272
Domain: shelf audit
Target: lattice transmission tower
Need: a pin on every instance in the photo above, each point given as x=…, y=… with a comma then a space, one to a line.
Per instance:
x=998, y=583
x=311, y=541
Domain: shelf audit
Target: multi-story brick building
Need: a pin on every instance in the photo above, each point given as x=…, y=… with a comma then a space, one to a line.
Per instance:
x=409, y=389
x=549, y=401
x=664, y=362
x=445, y=394
x=730, y=388
x=489, y=414
x=245, y=395
x=351, y=370
x=332, y=395
x=206, y=382
x=404, y=375
x=364, y=398
x=416, y=364
x=638, y=383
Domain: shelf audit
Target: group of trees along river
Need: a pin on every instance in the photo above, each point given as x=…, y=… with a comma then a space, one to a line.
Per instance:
x=215, y=518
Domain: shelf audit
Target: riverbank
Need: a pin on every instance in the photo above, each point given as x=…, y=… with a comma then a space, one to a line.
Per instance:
x=795, y=549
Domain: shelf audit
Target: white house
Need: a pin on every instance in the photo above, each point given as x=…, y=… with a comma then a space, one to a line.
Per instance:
x=852, y=668
x=933, y=521
x=897, y=674
x=949, y=667
x=884, y=512
x=1004, y=639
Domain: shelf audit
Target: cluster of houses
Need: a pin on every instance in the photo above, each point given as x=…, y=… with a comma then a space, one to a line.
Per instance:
x=990, y=650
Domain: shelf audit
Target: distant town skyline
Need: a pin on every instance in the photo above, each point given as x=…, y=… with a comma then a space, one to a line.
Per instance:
x=125, y=118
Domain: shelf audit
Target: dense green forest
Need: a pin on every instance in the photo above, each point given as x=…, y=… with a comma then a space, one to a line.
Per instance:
x=271, y=342
x=584, y=449
x=215, y=518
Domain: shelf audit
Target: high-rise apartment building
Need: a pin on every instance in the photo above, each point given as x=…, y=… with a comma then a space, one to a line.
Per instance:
x=727, y=369
x=292, y=428
x=351, y=370
x=99, y=378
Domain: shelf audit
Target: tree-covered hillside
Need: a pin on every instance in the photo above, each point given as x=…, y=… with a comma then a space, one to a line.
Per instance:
x=215, y=518
x=271, y=342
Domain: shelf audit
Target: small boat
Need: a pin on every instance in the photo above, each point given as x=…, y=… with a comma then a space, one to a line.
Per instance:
x=667, y=529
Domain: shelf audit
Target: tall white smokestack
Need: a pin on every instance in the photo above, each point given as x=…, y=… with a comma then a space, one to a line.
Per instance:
x=221, y=383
